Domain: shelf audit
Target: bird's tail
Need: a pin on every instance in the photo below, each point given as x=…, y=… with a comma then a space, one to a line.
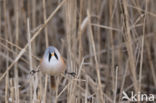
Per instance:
x=53, y=83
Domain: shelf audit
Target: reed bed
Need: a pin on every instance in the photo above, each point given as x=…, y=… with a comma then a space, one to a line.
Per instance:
x=108, y=44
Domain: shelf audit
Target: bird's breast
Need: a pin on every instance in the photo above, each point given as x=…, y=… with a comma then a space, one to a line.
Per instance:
x=52, y=67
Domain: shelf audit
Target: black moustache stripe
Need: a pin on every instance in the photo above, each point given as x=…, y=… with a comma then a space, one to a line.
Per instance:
x=55, y=56
x=49, y=56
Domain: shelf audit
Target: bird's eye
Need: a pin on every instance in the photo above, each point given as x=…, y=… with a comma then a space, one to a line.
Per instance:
x=55, y=55
x=49, y=56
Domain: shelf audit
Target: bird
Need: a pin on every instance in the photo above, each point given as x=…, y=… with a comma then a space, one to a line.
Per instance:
x=52, y=63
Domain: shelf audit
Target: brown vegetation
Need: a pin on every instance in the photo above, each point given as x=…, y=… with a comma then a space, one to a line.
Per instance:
x=109, y=44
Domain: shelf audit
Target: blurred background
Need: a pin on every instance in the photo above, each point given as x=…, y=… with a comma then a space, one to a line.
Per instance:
x=109, y=44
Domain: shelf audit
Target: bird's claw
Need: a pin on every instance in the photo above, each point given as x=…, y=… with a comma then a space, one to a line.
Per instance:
x=71, y=73
x=33, y=72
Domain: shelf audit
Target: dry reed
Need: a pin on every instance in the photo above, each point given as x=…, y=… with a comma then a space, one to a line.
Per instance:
x=109, y=44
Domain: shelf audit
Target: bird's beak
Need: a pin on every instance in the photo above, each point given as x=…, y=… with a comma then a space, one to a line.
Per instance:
x=52, y=54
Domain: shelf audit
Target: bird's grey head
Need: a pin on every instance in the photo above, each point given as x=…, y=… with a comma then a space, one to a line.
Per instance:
x=51, y=52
